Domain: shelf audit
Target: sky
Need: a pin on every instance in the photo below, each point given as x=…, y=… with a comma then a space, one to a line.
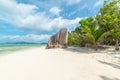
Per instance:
x=37, y=20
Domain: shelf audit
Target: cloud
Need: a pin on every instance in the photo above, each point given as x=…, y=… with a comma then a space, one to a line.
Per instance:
x=83, y=7
x=71, y=2
x=25, y=38
x=12, y=9
x=60, y=22
x=41, y=22
x=55, y=10
x=98, y=3
x=51, y=3
x=26, y=16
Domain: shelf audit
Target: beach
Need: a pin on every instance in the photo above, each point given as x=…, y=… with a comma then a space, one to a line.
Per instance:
x=73, y=63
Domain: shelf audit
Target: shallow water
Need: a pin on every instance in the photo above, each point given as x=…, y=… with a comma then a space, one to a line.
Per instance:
x=5, y=48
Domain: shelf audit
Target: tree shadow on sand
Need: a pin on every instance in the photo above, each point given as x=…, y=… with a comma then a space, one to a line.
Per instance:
x=110, y=64
x=86, y=50
x=106, y=78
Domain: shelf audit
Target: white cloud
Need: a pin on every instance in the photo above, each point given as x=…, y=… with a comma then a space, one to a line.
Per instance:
x=60, y=22
x=71, y=2
x=83, y=7
x=44, y=23
x=55, y=10
x=98, y=3
x=25, y=16
x=11, y=9
x=52, y=3
x=25, y=38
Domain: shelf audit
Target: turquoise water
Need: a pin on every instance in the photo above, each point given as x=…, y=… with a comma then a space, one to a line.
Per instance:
x=5, y=48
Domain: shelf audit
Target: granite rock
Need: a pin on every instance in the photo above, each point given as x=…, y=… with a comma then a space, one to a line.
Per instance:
x=59, y=40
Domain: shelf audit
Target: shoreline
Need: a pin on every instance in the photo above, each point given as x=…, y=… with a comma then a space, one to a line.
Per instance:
x=21, y=48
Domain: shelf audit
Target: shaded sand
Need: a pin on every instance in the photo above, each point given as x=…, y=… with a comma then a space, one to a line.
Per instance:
x=59, y=64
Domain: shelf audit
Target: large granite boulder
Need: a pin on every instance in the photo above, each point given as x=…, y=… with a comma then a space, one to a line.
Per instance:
x=58, y=40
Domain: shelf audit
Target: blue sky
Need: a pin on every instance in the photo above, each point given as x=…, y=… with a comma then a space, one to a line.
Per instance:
x=37, y=20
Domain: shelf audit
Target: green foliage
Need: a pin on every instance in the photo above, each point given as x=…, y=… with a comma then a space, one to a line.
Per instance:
x=87, y=29
x=74, y=39
x=104, y=26
x=109, y=19
x=109, y=16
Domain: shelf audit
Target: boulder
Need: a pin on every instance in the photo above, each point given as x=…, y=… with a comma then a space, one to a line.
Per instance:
x=59, y=40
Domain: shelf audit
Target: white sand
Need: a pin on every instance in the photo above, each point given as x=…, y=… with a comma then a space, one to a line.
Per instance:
x=59, y=64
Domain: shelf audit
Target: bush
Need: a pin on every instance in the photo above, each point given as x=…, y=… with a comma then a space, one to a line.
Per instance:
x=74, y=39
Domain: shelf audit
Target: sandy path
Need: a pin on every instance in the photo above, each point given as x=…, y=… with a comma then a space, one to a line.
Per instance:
x=54, y=64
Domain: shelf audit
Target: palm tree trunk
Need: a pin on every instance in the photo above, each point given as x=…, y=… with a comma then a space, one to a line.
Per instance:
x=117, y=45
x=95, y=46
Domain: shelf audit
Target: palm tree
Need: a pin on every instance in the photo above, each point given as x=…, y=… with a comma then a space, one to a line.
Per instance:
x=109, y=20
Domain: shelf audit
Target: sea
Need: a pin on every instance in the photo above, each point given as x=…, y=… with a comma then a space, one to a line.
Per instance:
x=6, y=48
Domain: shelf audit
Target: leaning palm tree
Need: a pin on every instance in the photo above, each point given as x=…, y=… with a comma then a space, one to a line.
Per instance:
x=95, y=35
x=109, y=20
x=114, y=34
x=91, y=31
x=106, y=23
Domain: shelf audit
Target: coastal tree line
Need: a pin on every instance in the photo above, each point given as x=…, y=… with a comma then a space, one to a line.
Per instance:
x=102, y=29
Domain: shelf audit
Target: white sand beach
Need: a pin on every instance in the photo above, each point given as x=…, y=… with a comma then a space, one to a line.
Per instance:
x=60, y=64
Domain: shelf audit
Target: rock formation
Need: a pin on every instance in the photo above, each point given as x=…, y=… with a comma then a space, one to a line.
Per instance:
x=58, y=40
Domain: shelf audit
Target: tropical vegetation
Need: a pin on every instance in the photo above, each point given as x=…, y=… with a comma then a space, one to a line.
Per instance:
x=103, y=28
